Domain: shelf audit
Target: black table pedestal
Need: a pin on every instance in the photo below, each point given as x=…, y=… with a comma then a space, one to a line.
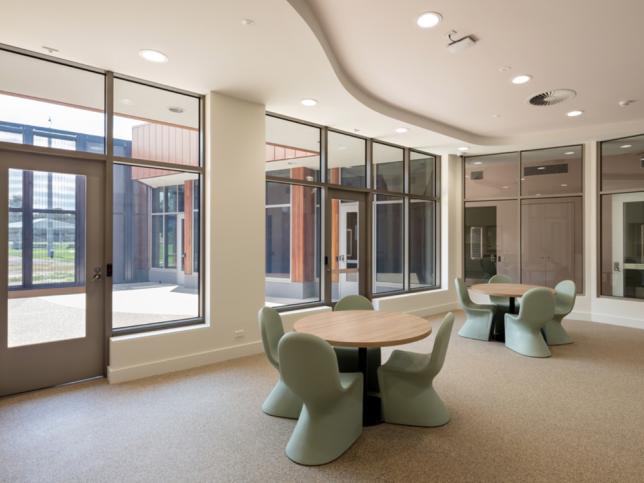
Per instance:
x=371, y=404
x=498, y=330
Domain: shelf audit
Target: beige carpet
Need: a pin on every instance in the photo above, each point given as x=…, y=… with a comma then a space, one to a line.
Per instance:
x=578, y=416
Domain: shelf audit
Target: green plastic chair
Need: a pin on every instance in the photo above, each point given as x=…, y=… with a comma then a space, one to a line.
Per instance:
x=406, y=382
x=348, y=356
x=281, y=401
x=565, y=295
x=502, y=303
x=523, y=331
x=478, y=324
x=331, y=418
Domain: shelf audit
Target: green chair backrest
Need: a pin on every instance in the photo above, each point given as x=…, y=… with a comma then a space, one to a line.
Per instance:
x=537, y=305
x=309, y=367
x=565, y=295
x=462, y=293
x=353, y=302
x=441, y=342
x=272, y=330
x=498, y=278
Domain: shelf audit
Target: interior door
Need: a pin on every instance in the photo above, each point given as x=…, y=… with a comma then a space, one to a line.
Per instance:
x=51, y=275
x=345, y=244
x=628, y=244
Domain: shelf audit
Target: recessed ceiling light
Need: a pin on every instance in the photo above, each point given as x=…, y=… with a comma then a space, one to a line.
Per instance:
x=401, y=130
x=505, y=187
x=574, y=113
x=564, y=185
x=464, y=148
x=626, y=146
x=309, y=102
x=247, y=22
x=478, y=163
x=521, y=79
x=568, y=153
x=153, y=56
x=428, y=20
x=624, y=103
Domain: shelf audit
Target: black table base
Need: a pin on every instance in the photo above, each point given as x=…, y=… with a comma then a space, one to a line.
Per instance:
x=371, y=404
x=498, y=323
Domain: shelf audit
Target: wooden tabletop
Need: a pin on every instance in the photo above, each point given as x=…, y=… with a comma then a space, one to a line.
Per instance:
x=365, y=328
x=505, y=289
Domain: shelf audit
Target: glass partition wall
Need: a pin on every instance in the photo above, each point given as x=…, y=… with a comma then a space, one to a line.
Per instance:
x=367, y=225
x=523, y=216
x=621, y=263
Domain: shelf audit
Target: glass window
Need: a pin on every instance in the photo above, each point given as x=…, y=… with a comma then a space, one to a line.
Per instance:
x=346, y=160
x=422, y=169
x=422, y=244
x=38, y=106
x=492, y=176
x=292, y=244
x=491, y=240
x=388, y=167
x=551, y=241
x=155, y=278
x=388, y=244
x=552, y=171
x=622, y=165
x=155, y=124
x=292, y=150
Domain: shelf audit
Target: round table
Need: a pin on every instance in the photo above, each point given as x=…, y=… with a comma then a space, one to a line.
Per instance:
x=509, y=290
x=364, y=329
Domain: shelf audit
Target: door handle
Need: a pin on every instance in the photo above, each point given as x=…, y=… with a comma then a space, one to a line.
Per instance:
x=616, y=267
x=98, y=273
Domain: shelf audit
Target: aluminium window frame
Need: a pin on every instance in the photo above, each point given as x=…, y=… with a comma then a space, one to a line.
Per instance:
x=109, y=160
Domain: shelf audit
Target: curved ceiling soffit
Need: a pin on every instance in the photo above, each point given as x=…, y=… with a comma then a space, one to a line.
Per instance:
x=304, y=10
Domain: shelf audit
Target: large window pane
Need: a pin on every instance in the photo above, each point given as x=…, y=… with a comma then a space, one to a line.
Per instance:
x=622, y=165
x=492, y=176
x=422, y=244
x=154, y=276
x=51, y=105
x=292, y=150
x=622, y=245
x=491, y=240
x=388, y=244
x=551, y=241
x=552, y=171
x=347, y=164
x=292, y=244
x=388, y=167
x=155, y=124
x=422, y=169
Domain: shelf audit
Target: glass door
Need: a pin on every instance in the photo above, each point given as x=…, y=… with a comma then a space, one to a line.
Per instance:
x=51, y=271
x=345, y=244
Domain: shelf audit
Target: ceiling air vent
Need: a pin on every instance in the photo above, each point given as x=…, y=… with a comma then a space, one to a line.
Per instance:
x=550, y=98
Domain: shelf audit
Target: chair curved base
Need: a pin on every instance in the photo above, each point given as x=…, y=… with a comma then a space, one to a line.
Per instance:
x=322, y=436
x=477, y=326
x=555, y=334
x=425, y=409
x=282, y=402
x=524, y=340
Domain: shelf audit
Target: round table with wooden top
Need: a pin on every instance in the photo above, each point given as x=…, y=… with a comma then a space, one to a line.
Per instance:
x=365, y=329
x=509, y=290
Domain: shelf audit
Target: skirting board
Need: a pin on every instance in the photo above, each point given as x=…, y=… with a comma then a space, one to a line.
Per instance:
x=189, y=361
x=609, y=319
x=434, y=309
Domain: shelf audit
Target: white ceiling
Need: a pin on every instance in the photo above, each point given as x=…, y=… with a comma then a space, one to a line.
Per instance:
x=368, y=64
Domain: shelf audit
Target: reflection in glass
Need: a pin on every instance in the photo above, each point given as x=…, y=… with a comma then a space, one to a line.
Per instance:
x=422, y=264
x=622, y=245
x=551, y=171
x=292, y=150
x=492, y=176
x=346, y=160
x=388, y=243
x=491, y=240
x=292, y=251
x=422, y=168
x=388, y=167
x=345, y=248
x=622, y=164
x=155, y=124
x=155, y=278
x=39, y=107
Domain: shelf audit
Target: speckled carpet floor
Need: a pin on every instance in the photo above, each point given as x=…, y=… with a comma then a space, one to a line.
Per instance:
x=578, y=416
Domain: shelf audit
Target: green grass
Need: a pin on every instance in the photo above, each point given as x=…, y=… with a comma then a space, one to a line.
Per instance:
x=62, y=251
